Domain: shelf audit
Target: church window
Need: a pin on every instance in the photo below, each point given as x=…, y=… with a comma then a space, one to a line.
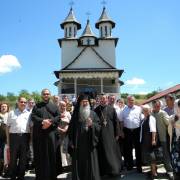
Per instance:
x=65, y=32
x=106, y=31
x=74, y=31
x=101, y=31
x=88, y=41
x=70, y=33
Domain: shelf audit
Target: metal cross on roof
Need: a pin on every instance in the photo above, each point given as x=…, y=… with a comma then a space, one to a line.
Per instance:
x=104, y=2
x=71, y=3
x=88, y=14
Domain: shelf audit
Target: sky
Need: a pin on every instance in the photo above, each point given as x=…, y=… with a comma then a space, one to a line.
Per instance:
x=148, y=48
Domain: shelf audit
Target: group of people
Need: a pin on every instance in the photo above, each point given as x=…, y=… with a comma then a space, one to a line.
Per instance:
x=95, y=137
x=154, y=132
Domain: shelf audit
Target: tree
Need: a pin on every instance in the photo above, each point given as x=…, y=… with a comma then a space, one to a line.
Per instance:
x=137, y=96
x=11, y=97
x=36, y=96
x=124, y=95
x=25, y=93
x=2, y=98
x=151, y=94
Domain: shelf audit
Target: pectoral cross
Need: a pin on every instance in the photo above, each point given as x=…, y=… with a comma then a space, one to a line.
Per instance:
x=105, y=123
x=104, y=117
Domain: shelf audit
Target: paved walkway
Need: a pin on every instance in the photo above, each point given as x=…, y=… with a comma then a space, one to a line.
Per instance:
x=127, y=175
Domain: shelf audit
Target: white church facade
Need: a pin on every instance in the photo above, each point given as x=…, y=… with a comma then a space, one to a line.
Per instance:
x=88, y=62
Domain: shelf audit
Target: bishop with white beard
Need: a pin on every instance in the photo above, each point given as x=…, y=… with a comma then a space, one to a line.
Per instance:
x=84, y=115
x=83, y=135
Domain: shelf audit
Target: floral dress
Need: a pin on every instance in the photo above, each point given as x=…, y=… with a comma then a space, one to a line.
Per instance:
x=175, y=152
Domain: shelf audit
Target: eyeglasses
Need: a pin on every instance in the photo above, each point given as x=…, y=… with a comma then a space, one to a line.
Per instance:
x=23, y=102
x=46, y=94
x=31, y=102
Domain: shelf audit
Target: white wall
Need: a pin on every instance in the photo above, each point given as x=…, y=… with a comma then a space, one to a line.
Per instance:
x=69, y=51
x=88, y=59
x=106, y=49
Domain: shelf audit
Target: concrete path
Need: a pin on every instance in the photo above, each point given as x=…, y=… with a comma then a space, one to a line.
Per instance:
x=127, y=175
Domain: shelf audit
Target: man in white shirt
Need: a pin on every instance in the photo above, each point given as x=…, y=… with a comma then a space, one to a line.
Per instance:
x=18, y=134
x=131, y=118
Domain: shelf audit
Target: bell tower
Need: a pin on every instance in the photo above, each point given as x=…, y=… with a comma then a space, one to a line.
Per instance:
x=70, y=25
x=105, y=25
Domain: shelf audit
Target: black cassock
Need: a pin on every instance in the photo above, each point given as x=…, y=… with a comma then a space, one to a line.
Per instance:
x=44, y=140
x=85, y=164
x=108, y=148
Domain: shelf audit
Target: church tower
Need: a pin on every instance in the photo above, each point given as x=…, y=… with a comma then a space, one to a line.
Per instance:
x=87, y=38
x=88, y=62
x=105, y=25
x=70, y=25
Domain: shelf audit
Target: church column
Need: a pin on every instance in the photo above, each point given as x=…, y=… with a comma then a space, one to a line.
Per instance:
x=75, y=86
x=102, y=85
x=59, y=87
x=117, y=85
x=119, y=90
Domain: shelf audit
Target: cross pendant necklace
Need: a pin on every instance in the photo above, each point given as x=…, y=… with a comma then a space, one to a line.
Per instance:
x=104, y=119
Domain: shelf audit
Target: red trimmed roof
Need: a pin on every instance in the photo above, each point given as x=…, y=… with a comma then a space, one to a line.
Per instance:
x=163, y=93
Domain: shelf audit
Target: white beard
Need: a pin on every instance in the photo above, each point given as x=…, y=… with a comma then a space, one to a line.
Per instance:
x=84, y=113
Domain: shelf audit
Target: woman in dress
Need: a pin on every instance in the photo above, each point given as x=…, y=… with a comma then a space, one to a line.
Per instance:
x=175, y=142
x=148, y=139
x=63, y=127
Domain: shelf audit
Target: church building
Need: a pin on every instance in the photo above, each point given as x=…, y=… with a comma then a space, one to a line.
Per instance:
x=88, y=62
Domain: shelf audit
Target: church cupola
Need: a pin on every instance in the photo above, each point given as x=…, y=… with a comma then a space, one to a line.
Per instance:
x=70, y=25
x=105, y=25
x=87, y=38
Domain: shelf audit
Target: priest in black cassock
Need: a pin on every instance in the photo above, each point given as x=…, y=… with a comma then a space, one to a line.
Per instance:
x=45, y=117
x=108, y=148
x=83, y=135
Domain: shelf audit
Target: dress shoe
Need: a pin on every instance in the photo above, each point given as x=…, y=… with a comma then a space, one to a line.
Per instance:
x=170, y=175
x=129, y=168
x=139, y=169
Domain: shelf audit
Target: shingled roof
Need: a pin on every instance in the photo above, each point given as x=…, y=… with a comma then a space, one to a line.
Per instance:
x=87, y=31
x=104, y=18
x=71, y=19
